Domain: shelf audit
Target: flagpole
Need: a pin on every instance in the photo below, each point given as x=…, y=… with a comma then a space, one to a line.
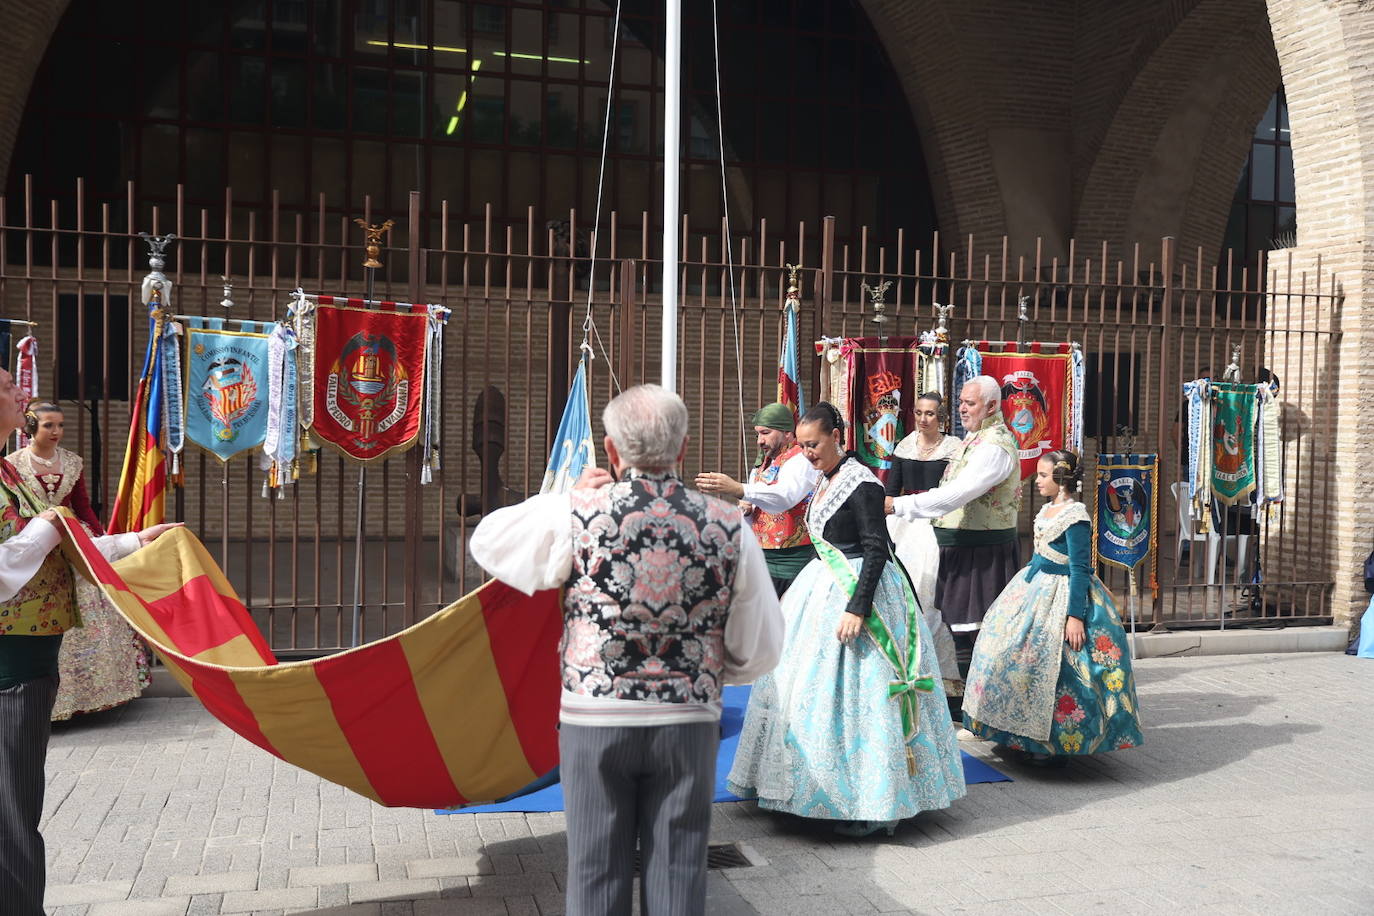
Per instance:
x=672, y=158
x=370, y=265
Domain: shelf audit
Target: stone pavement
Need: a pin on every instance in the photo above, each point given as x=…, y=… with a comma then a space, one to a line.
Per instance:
x=1254, y=793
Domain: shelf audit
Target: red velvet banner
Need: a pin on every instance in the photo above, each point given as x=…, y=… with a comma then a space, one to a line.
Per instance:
x=1036, y=397
x=369, y=379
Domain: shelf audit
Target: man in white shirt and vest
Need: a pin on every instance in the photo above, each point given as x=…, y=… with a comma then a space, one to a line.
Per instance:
x=974, y=508
x=777, y=494
x=666, y=599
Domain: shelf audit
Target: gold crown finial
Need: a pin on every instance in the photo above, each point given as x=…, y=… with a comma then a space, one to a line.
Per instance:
x=793, y=290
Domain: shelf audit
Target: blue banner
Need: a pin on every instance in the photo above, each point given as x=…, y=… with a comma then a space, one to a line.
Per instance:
x=1126, y=508
x=573, y=448
x=226, y=384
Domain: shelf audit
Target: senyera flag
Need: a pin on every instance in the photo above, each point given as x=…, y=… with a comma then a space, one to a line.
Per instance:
x=140, y=501
x=369, y=376
x=459, y=709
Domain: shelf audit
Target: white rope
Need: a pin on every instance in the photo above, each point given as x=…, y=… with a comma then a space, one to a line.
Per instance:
x=729, y=253
x=588, y=324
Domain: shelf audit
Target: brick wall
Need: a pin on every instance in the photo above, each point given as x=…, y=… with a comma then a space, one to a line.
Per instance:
x=1326, y=51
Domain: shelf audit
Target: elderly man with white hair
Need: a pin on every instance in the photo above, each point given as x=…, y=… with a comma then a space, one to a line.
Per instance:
x=666, y=599
x=974, y=509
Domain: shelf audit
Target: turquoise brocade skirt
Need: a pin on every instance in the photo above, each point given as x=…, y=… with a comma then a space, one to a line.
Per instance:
x=1094, y=706
x=822, y=739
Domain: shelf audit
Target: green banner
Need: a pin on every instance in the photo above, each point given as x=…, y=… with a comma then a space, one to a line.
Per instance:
x=1233, y=441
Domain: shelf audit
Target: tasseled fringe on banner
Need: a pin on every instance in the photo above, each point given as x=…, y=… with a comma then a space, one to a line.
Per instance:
x=968, y=364
x=434, y=375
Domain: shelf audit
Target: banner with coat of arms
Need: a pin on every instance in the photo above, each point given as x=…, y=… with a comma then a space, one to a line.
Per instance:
x=1042, y=393
x=1127, y=500
x=368, y=375
x=226, y=384
x=881, y=381
x=1233, y=441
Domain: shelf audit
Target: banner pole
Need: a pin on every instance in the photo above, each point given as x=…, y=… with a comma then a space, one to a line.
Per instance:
x=373, y=249
x=371, y=273
x=1132, y=599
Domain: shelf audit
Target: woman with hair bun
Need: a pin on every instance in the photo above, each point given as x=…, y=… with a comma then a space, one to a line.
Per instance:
x=918, y=465
x=852, y=725
x=102, y=663
x=1051, y=672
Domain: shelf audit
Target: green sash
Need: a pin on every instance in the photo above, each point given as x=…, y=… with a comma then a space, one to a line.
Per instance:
x=905, y=665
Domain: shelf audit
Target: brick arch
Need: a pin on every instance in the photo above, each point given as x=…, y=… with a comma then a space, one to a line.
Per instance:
x=933, y=61
x=1107, y=64
x=29, y=27
x=1169, y=157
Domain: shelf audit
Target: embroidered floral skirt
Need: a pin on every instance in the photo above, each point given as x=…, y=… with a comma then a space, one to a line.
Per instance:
x=822, y=739
x=916, y=549
x=103, y=663
x=1046, y=698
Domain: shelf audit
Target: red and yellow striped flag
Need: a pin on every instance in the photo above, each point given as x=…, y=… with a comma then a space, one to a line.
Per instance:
x=459, y=709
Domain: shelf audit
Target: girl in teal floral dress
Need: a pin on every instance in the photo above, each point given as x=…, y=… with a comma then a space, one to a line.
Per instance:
x=1051, y=672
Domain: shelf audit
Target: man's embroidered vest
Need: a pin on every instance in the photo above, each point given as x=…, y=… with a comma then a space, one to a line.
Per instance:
x=785, y=529
x=652, y=577
x=996, y=509
x=47, y=605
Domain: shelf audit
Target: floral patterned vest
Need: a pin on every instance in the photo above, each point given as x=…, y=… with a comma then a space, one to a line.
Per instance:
x=652, y=577
x=996, y=509
x=47, y=605
x=785, y=529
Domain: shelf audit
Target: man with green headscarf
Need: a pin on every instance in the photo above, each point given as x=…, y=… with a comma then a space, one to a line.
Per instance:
x=776, y=496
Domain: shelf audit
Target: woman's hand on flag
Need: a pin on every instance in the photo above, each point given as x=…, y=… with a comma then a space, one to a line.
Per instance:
x=148, y=535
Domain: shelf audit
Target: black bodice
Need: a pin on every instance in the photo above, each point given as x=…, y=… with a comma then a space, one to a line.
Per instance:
x=859, y=529
x=912, y=475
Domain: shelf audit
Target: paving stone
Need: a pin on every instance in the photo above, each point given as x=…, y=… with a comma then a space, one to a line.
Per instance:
x=75, y=894
x=486, y=906
x=332, y=874
x=409, y=888
x=276, y=898
x=211, y=884
x=452, y=865
x=163, y=906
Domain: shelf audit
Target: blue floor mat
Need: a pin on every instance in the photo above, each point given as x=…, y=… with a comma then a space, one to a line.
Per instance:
x=549, y=794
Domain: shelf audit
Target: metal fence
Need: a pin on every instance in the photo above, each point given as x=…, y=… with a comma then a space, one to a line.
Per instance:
x=520, y=296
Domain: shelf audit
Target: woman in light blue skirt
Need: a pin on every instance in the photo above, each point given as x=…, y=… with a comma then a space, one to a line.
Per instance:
x=853, y=724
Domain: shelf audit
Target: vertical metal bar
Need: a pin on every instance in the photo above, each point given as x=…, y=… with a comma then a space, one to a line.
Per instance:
x=414, y=517
x=1162, y=421
x=629, y=343
x=824, y=293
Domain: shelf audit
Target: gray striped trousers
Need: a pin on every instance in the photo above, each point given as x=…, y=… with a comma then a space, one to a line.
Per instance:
x=24, y=728
x=651, y=783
